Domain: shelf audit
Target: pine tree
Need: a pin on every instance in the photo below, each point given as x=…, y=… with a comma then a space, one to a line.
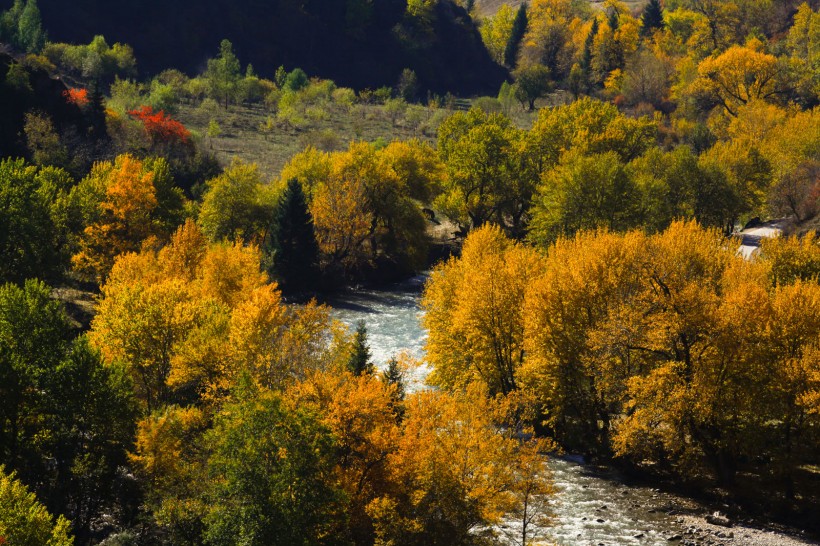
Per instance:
x=652, y=18
x=359, y=363
x=10, y=23
x=30, y=35
x=294, y=251
x=586, y=57
x=393, y=375
x=517, y=34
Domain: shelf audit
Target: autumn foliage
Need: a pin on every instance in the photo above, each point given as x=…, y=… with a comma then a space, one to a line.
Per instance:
x=161, y=127
x=77, y=97
x=669, y=348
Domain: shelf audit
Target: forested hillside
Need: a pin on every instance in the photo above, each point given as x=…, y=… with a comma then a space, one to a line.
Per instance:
x=356, y=43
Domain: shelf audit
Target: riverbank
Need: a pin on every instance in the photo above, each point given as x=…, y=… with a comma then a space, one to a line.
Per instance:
x=599, y=505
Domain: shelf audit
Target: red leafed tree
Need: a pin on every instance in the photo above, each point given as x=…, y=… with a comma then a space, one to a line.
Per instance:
x=78, y=97
x=161, y=127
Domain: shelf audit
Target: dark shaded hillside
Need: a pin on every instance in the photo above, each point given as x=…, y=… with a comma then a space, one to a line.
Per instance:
x=33, y=90
x=357, y=43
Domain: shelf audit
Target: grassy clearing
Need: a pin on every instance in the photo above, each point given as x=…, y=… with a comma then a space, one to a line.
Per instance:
x=487, y=8
x=330, y=128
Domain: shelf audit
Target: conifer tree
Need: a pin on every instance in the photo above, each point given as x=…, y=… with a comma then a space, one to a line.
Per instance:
x=30, y=35
x=393, y=375
x=652, y=18
x=295, y=253
x=359, y=363
x=518, y=30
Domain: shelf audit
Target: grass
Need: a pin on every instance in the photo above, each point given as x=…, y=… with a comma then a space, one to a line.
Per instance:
x=240, y=135
x=487, y=8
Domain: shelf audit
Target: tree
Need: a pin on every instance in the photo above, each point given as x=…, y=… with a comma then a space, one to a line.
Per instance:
x=26, y=522
x=30, y=35
x=652, y=18
x=473, y=311
x=740, y=75
x=360, y=363
x=237, y=205
x=645, y=78
x=21, y=26
x=224, y=73
x=496, y=32
x=394, y=375
x=584, y=192
x=294, y=252
x=408, y=85
x=296, y=80
x=67, y=420
x=481, y=154
x=271, y=469
x=130, y=200
x=519, y=28
x=28, y=234
x=532, y=82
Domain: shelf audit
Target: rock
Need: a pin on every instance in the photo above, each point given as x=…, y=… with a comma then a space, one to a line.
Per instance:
x=639, y=535
x=599, y=520
x=674, y=538
x=718, y=519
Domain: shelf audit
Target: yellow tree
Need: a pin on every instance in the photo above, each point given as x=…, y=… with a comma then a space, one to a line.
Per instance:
x=136, y=201
x=740, y=75
x=496, y=31
x=577, y=382
x=474, y=308
x=358, y=412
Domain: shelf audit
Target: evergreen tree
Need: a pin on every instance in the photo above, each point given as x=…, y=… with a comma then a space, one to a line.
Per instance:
x=586, y=56
x=359, y=363
x=517, y=34
x=10, y=23
x=294, y=251
x=30, y=35
x=652, y=18
x=393, y=375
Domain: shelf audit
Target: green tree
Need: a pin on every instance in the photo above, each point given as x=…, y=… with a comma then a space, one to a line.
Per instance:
x=236, y=205
x=293, y=249
x=28, y=235
x=584, y=192
x=26, y=522
x=30, y=35
x=223, y=74
x=532, y=82
x=67, y=420
x=271, y=476
x=359, y=362
x=652, y=18
x=519, y=28
x=394, y=375
x=296, y=80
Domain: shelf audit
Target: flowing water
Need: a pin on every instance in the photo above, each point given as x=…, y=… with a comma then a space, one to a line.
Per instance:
x=593, y=506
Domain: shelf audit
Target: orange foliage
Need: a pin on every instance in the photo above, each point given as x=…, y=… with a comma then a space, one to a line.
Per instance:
x=160, y=126
x=77, y=97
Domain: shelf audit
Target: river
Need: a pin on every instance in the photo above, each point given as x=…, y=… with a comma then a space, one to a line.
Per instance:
x=593, y=506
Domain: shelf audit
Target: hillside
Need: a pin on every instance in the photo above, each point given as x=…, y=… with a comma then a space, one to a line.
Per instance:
x=487, y=8
x=357, y=44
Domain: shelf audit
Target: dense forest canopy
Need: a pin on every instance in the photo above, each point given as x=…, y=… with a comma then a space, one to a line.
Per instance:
x=168, y=379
